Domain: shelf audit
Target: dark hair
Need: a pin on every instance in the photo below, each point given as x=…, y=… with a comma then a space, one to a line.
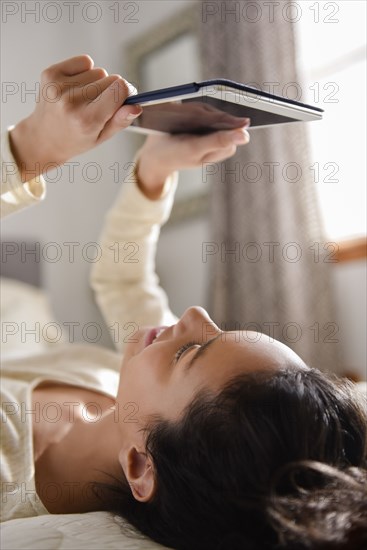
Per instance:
x=275, y=460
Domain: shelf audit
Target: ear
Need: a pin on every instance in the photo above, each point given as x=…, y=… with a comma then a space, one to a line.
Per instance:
x=138, y=469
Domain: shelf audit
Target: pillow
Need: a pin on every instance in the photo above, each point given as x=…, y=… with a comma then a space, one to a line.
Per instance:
x=22, y=306
x=89, y=531
x=362, y=387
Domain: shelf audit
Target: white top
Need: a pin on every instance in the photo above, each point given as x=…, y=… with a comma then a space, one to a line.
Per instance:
x=16, y=195
x=128, y=294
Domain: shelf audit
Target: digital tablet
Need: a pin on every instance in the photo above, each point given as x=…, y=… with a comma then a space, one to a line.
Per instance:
x=211, y=105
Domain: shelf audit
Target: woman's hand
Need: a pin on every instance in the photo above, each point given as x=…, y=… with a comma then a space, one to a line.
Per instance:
x=79, y=106
x=161, y=155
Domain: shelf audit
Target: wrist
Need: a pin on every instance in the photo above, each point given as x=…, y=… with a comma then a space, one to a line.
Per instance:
x=29, y=151
x=150, y=179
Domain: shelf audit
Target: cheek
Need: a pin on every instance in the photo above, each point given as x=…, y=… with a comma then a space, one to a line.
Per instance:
x=143, y=380
x=134, y=345
x=140, y=389
x=149, y=381
x=139, y=380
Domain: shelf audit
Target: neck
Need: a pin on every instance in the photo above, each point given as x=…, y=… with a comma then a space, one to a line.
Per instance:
x=66, y=468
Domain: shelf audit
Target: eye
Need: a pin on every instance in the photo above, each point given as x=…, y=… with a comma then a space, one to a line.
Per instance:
x=184, y=348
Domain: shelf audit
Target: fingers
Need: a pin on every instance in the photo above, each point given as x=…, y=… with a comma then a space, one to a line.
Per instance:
x=240, y=136
x=88, y=77
x=104, y=96
x=219, y=155
x=229, y=121
x=91, y=84
x=220, y=140
x=93, y=89
x=70, y=67
x=100, y=90
x=111, y=111
x=218, y=146
x=120, y=120
x=113, y=90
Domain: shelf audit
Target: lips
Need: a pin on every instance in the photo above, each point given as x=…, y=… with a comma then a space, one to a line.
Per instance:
x=152, y=334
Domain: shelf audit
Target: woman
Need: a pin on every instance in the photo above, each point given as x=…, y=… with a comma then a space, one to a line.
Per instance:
x=201, y=438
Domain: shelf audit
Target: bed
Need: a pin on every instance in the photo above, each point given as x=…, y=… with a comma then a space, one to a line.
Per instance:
x=89, y=531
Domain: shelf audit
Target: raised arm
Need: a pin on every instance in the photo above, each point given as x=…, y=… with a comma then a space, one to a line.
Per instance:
x=124, y=280
x=86, y=110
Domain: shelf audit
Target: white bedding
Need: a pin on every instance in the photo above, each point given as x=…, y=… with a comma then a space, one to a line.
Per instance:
x=23, y=303
x=89, y=531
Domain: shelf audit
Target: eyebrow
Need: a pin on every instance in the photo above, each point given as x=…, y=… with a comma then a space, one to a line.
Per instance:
x=200, y=352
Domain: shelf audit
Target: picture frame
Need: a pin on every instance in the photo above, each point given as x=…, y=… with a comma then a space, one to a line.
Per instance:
x=168, y=54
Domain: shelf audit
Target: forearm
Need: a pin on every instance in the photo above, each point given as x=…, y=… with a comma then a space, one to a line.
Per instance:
x=133, y=219
x=124, y=280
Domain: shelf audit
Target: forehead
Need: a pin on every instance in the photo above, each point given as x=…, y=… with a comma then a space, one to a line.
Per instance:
x=238, y=352
x=255, y=344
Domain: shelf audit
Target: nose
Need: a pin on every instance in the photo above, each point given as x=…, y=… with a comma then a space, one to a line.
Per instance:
x=195, y=323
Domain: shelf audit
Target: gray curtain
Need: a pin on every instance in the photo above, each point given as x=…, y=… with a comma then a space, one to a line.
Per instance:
x=270, y=268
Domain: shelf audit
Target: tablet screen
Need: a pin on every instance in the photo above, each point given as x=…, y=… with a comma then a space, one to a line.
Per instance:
x=203, y=115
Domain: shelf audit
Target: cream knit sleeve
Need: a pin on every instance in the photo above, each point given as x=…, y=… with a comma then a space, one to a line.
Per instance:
x=124, y=280
x=16, y=195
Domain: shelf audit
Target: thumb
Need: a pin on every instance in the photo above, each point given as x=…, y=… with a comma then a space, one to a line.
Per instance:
x=122, y=118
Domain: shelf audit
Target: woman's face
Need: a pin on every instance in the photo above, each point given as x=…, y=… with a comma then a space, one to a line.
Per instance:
x=162, y=371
